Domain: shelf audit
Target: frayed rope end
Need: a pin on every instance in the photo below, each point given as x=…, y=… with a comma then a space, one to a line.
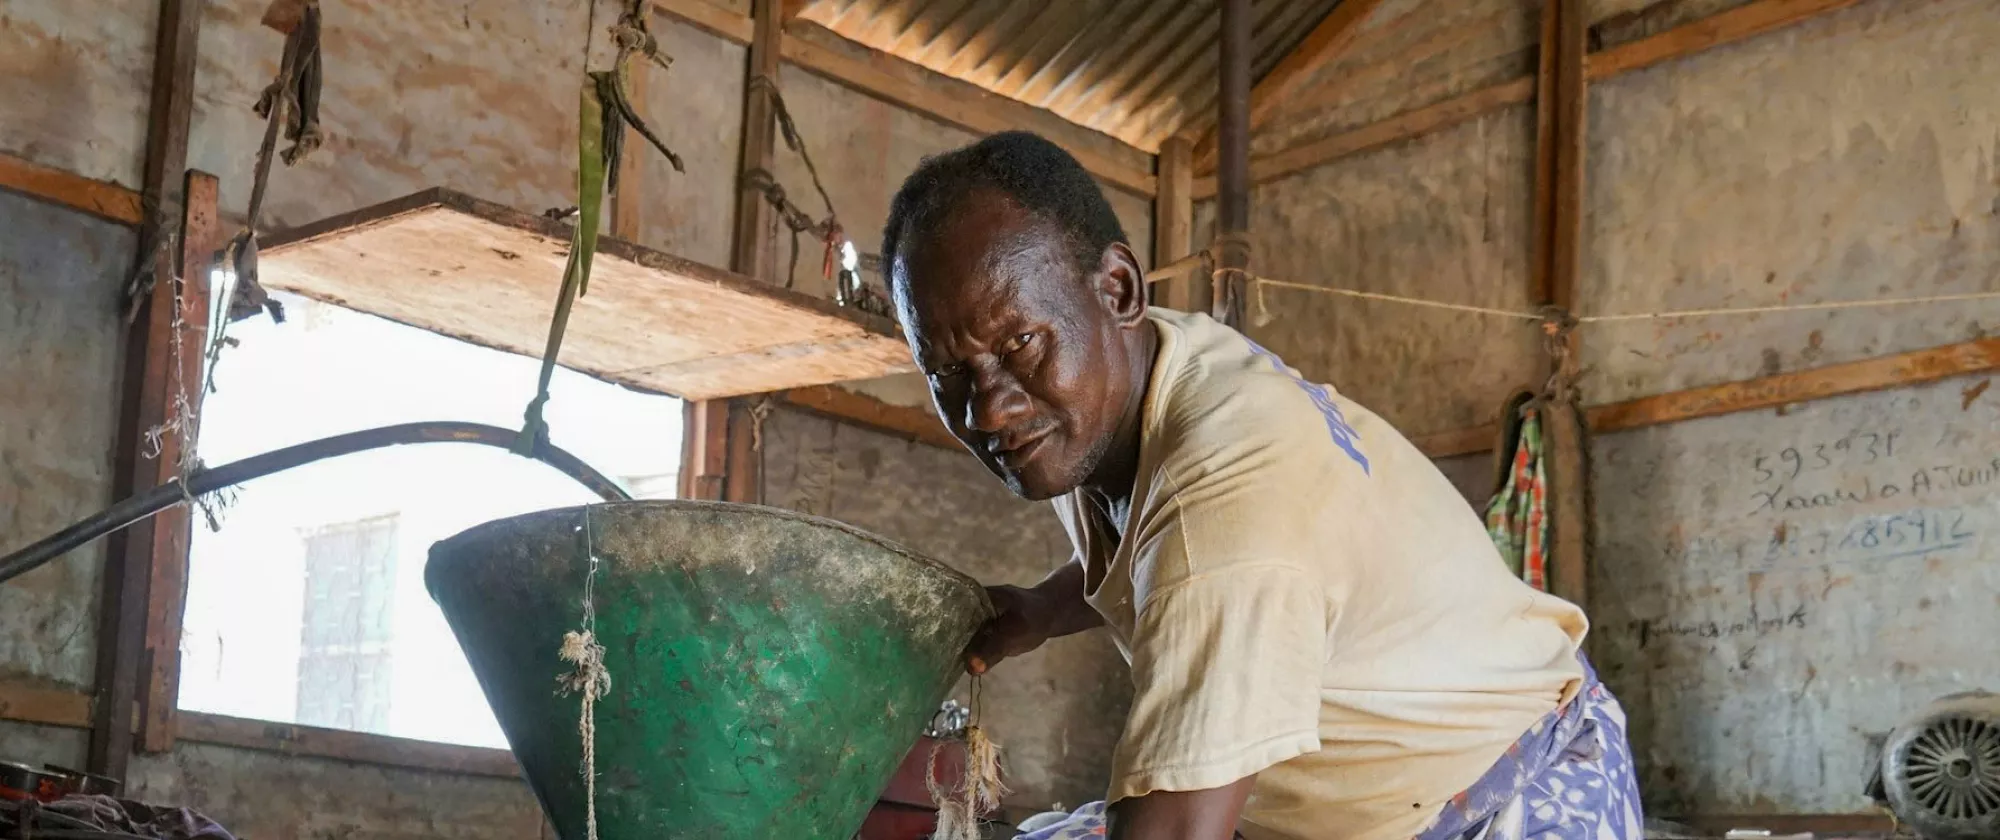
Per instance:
x=979, y=791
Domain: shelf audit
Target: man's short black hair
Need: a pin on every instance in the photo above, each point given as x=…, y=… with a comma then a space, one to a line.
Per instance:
x=1038, y=174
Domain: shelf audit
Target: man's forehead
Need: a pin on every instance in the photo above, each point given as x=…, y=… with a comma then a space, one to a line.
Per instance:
x=985, y=265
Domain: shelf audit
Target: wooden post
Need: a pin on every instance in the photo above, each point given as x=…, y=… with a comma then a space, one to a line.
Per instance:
x=752, y=251
x=718, y=462
x=1560, y=113
x=705, y=450
x=149, y=380
x=1322, y=46
x=628, y=206
x=202, y=239
x=1173, y=219
x=1233, y=171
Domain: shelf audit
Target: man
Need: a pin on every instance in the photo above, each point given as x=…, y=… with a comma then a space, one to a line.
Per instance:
x=1324, y=642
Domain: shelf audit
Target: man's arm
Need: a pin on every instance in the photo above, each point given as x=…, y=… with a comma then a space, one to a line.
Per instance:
x=1025, y=618
x=1176, y=815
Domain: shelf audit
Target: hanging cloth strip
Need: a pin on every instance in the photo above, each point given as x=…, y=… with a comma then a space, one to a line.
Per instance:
x=1517, y=515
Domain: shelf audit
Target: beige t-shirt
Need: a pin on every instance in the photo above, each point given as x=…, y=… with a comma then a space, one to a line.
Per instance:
x=1303, y=596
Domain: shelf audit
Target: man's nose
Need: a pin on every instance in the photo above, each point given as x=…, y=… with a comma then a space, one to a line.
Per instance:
x=997, y=402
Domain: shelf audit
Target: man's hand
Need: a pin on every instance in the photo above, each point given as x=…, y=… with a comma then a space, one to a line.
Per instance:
x=1020, y=624
x=1025, y=618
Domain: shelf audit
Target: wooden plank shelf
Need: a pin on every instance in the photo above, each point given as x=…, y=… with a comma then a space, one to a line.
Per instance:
x=488, y=274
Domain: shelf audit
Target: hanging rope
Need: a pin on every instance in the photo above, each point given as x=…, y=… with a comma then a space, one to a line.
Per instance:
x=290, y=103
x=828, y=230
x=590, y=176
x=790, y=130
x=588, y=678
x=604, y=111
x=1264, y=314
x=634, y=36
x=980, y=788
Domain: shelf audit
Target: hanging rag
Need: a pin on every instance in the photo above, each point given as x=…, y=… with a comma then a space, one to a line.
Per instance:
x=1517, y=515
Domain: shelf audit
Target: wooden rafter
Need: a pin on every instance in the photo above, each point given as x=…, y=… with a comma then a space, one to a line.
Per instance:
x=792, y=9
x=909, y=422
x=1327, y=42
x=1764, y=392
x=924, y=91
x=1742, y=23
x=98, y=198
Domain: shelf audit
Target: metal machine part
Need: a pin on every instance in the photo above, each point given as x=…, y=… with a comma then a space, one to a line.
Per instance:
x=1940, y=770
x=950, y=721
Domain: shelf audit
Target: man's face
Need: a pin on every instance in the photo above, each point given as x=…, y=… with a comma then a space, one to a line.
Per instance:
x=1026, y=355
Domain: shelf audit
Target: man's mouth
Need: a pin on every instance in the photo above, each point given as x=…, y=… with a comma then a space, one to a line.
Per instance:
x=1016, y=452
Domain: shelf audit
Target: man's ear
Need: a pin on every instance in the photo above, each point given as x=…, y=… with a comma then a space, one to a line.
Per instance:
x=1121, y=285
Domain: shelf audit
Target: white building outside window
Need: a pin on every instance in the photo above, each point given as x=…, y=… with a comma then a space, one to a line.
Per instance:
x=309, y=605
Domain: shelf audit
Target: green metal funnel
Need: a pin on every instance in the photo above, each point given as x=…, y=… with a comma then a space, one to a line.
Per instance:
x=768, y=670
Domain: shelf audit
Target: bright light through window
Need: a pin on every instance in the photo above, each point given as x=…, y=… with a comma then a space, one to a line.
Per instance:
x=309, y=605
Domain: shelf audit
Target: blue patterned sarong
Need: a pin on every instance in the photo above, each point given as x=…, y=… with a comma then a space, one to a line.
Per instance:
x=1571, y=777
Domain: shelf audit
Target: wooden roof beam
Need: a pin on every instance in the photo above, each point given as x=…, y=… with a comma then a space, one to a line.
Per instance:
x=1327, y=42
x=917, y=88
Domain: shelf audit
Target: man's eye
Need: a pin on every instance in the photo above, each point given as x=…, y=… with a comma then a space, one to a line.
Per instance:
x=1017, y=343
x=949, y=371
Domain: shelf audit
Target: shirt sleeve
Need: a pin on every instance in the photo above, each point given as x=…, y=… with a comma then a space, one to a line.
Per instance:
x=1226, y=671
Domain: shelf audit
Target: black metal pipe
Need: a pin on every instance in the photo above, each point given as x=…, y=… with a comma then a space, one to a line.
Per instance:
x=1232, y=173
x=138, y=507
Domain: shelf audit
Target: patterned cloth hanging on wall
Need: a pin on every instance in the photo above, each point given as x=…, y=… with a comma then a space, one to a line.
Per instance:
x=1517, y=515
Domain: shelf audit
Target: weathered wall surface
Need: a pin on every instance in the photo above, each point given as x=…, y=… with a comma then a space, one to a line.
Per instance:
x=1771, y=591
x=481, y=97
x=1853, y=157
x=697, y=108
x=258, y=794
x=1409, y=53
x=1443, y=218
x=61, y=277
x=1414, y=53
x=1057, y=711
x=36, y=745
x=75, y=80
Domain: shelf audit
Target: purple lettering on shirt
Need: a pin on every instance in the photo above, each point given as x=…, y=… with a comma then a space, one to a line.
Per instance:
x=1343, y=434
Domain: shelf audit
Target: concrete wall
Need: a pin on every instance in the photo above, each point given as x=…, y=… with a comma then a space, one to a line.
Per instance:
x=1853, y=157
x=1850, y=158
x=478, y=97
x=60, y=276
x=1444, y=217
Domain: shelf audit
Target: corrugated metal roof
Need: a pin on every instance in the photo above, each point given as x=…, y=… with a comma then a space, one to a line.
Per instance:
x=1138, y=70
